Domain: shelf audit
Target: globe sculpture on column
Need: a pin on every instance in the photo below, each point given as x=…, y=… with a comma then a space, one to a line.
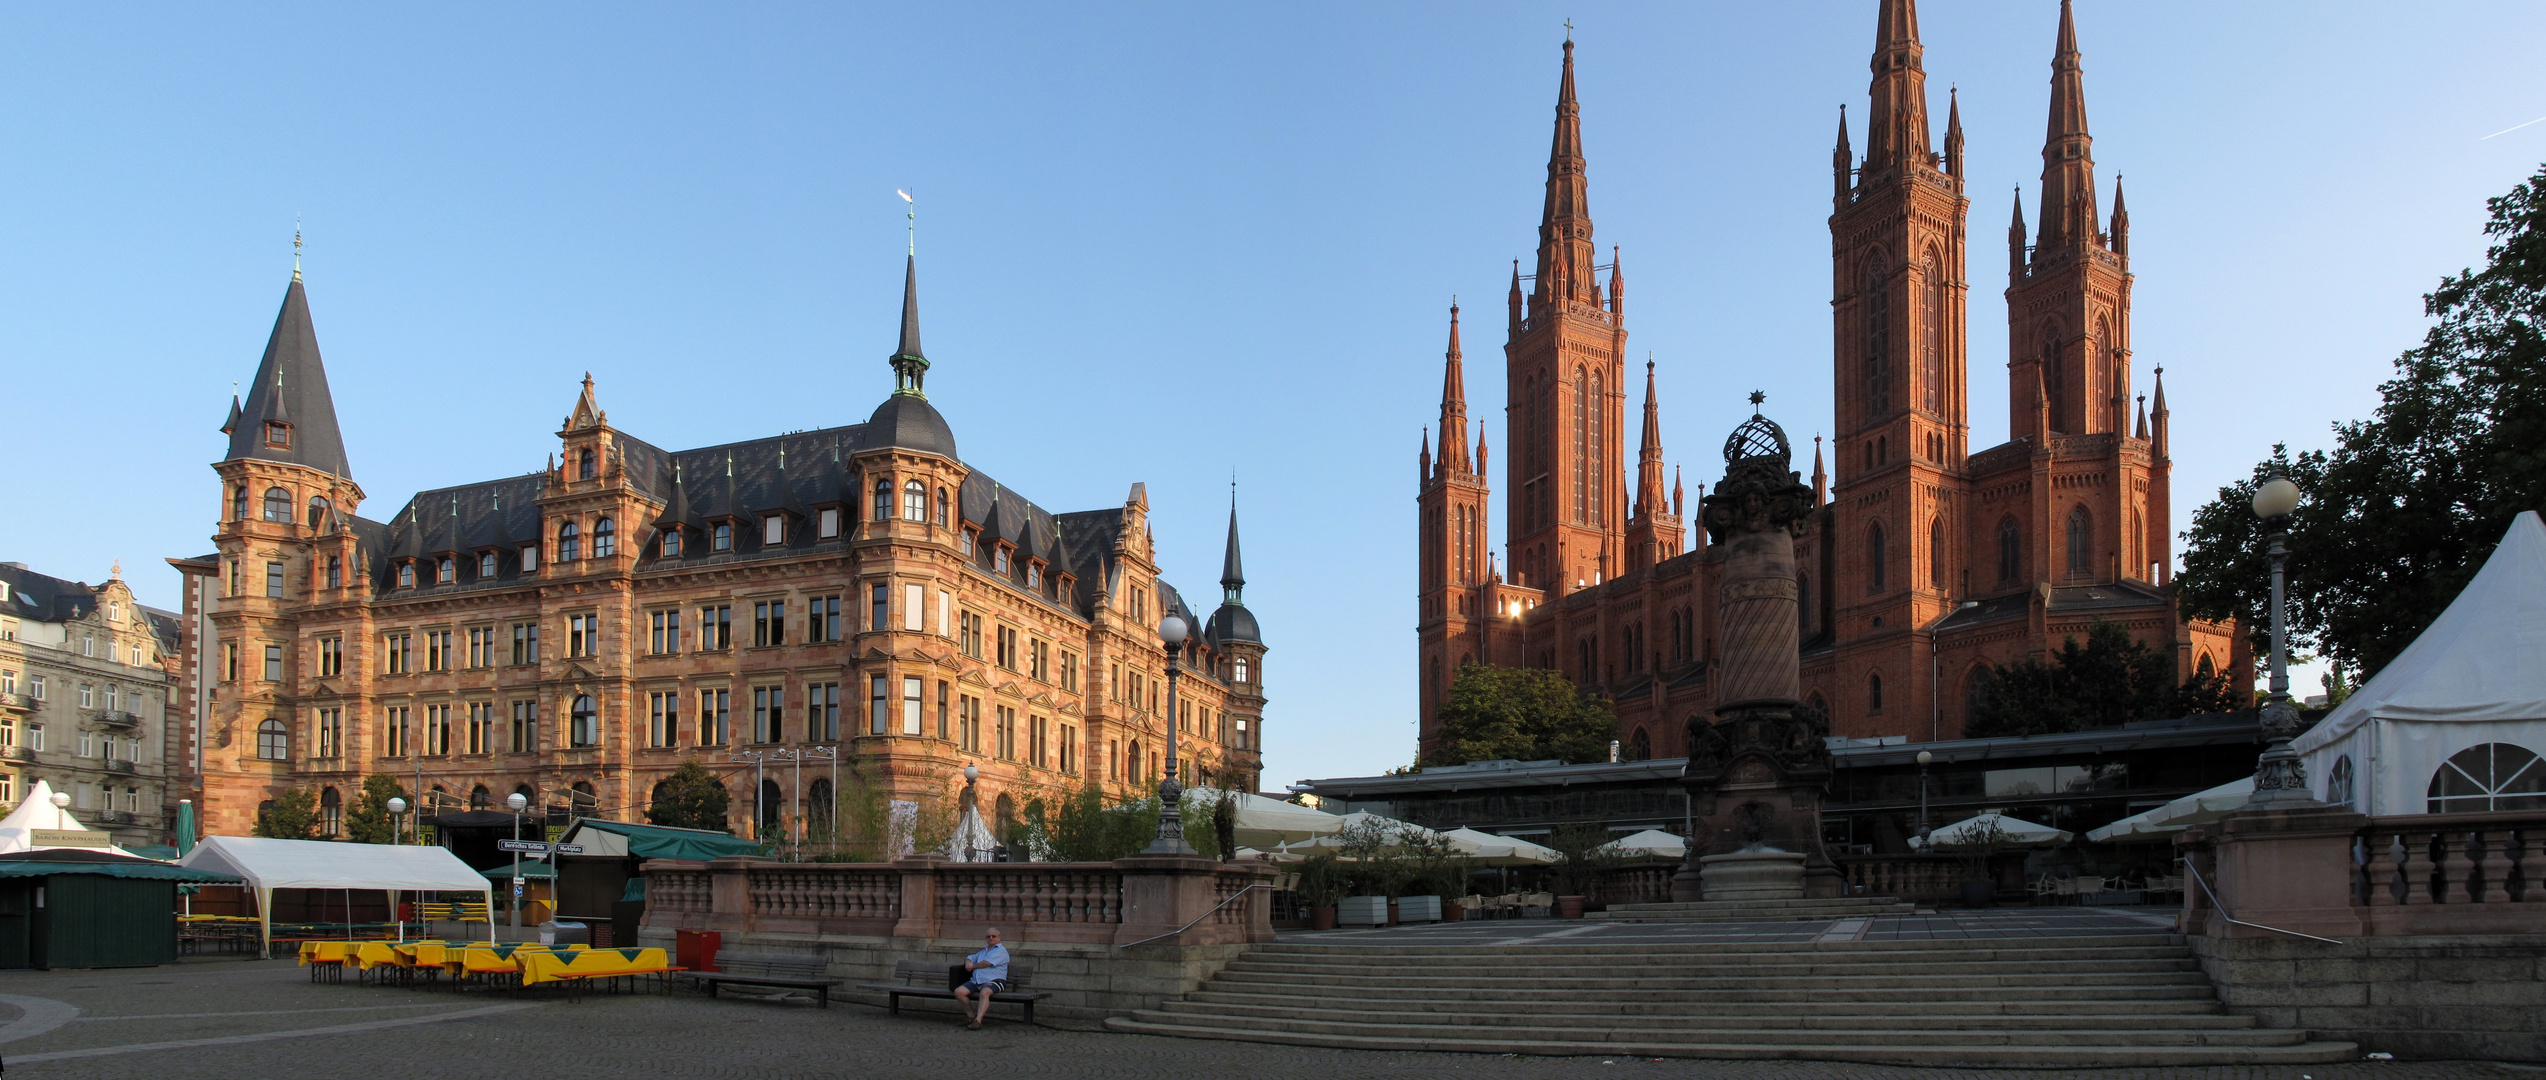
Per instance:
x=1757, y=770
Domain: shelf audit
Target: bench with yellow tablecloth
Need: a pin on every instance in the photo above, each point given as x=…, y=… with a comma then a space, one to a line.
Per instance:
x=581, y=964
x=495, y=963
x=326, y=959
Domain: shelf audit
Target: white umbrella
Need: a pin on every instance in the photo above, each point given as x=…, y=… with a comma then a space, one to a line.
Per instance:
x=2015, y=831
x=2197, y=808
x=1248, y=854
x=1265, y=822
x=1359, y=819
x=1649, y=844
x=1487, y=849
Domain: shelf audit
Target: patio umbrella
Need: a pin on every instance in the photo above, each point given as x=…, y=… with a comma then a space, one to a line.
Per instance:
x=2018, y=832
x=1362, y=818
x=1487, y=849
x=1277, y=857
x=1649, y=844
x=1268, y=823
x=2150, y=826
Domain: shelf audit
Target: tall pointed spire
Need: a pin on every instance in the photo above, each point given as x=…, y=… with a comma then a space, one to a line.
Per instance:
x=2015, y=241
x=2160, y=439
x=2068, y=159
x=1454, y=458
x=289, y=416
x=1954, y=132
x=910, y=365
x=1565, y=253
x=1820, y=476
x=1515, y=329
x=1896, y=125
x=1617, y=282
x=1842, y=162
x=1648, y=470
x=1232, y=573
x=2121, y=227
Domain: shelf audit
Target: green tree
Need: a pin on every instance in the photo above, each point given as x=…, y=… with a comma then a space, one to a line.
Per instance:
x=2405, y=508
x=690, y=798
x=292, y=815
x=1078, y=826
x=1527, y=714
x=369, y=822
x=2110, y=680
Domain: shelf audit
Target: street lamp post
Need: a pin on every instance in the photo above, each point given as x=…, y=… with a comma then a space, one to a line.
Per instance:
x=2280, y=779
x=972, y=809
x=1923, y=758
x=759, y=762
x=1171, y=823
x=397, y=817
x=516, y=802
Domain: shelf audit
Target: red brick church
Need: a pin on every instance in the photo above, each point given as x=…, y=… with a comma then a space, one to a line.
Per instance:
x=1925, y=561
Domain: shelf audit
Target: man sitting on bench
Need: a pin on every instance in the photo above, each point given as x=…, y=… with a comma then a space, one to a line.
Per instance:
x=989, y=969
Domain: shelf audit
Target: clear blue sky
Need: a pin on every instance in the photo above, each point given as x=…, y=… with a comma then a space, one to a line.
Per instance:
x=1158, y=242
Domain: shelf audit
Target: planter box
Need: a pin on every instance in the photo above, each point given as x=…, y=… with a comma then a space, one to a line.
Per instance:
x=1412, y=909
x=1362, y=911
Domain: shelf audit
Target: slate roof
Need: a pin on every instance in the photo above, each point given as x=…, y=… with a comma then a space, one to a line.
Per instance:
x=290, y=386
x=45, y=598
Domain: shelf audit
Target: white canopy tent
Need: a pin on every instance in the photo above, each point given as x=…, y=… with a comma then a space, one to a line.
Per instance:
x=2473, y=680
x=2162, y=823
x=1264, y=822
x=1487, y=849
x=2015, y=832
x=1393, y=828
x=268, y=865
x=1649, y=844
x=37, y=823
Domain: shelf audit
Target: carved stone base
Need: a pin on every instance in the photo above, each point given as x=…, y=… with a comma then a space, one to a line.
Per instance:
x=1751, y=875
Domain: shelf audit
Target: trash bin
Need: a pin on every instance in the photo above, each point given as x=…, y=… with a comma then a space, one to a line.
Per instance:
x=554, y=932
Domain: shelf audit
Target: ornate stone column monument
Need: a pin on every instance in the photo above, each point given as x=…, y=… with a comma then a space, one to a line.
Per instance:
x=1756, y=772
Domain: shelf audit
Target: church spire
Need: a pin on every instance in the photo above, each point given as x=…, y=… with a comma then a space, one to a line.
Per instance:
x=1454, y=457
x=1842, y=162
x=1896, y=132
x=2015, y=241
x=910, y=365
x=2121, y=230
x=1232, y=575
x=1565, y=253
x=2068, y=160
x=1954, y=132
x=288, y=415
x=1648, y=470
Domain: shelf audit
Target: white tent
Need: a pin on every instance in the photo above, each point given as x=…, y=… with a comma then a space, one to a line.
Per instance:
x=2161, y=823
x=2016, y=832
x=1264, y=822
x=315, y=864
x=2475, y=677
x=36, y=815
x=1487, y=849
x=1649, y=844
x=1394, y=829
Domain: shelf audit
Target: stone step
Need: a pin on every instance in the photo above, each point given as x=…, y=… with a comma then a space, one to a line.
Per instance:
x=2133, y=1010
x=2121, y=1016
x=1754, y=910
x=1907, y=1052
x=1890, y=991
x=1540, y=985
x=1553, y=967
x=1736, y=952
x=1672, y=1032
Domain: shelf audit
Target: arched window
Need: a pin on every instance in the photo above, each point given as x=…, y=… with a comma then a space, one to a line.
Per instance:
x=585, y=727
x=1599, y=497
x=914, y=501
x=2010, y=550
x=1818, y=704
x=1931, y=334
x=2081, y=543
x=1878, y=337
x=672, y=542
x=587, y=466
x=331, y=812
x=773, y=804
x=2493, y=776
x=273, y=741
x=569, y=542
x=446, y=571
x=1874, y=557
x=2338, y=782
x=580, y=798
x=2207, y=668
x=942, y=503
x=817, y=810
x=1936, y=553
x=239, y=502
x=2054, y=380
x=278, y=505
x=1975, y=694
x=2101, y=384
x=1582, y=446
x=1874, y=692
x=317, y=511
x=480, y=798
x=720, y=536
x=1005, y=821
x=1642, y=745
x=406, y=575
x=605, y=539
x=883, y=500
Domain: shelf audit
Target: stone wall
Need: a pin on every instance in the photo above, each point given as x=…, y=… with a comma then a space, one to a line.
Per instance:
x=2415, y=997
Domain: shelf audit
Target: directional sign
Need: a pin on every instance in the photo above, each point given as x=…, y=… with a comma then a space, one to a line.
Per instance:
x=568, y=849
x=538, y=846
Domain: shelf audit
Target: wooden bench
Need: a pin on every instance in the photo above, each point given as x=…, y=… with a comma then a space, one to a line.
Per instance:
x=783, y=972
x=923, y=979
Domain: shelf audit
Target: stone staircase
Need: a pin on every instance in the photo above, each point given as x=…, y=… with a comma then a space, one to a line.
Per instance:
x=2033, y=1001
x=1754, y=910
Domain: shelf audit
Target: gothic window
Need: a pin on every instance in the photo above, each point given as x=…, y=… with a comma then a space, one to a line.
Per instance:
x=2081, y=543
x=1598, y=476
x=317, y=511
x=1878, y=338
x=569, y=542
x=1975, y=694
x=914, y=501
x=883, y=500
x=1874, y=692
x=605, y=539
x=1582, y=447
x=2103, y=381
x=2493, y=776
x=587, y=466
x=2053, y=382
x=1936, y=553
x=1931, y=335
x=2010, y=551
x=331, y=812
x=2207, y=668
x=1874, y=557
x=273, y=741
x=2138, y=537
x=278, y=505
x=1642, y=746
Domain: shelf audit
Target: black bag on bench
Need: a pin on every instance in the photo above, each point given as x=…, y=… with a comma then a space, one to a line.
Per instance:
x=958, y=974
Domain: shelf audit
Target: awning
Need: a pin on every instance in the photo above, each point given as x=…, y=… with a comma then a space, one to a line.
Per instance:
x=2013, y=832
x=105, y=864
x=621, y=839
x=2162, y=823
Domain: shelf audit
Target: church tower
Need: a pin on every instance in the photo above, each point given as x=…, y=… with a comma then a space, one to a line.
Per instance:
x=1565, y=361
x=1898, y=295
x=1452, y=505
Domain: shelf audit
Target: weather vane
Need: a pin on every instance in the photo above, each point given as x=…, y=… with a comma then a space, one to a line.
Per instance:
x=1755, y=398
x=913, y=215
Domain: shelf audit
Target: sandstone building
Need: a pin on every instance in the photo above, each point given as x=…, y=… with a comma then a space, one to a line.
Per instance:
x=86, y=687
x=576, y=633
x=1925, y=561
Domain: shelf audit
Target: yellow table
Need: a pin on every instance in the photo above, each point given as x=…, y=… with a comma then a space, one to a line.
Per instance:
x=327, y=952
x=582, y=963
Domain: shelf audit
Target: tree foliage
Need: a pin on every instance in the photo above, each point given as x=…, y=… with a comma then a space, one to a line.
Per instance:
x=369, y=820
x=1526, y=714
x=2405, y=508
x=1078, y=826
x=690, y=798
x=2110, y=680
x=292, y=815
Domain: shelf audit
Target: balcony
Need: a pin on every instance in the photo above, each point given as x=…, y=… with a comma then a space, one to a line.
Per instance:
x=16, y=753
x=17, y=701
x=120, y=766
x=114, y=817
x=118, y=718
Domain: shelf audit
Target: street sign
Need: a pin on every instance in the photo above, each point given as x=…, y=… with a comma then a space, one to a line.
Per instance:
x=538, y=847
x=517, y=888
x=568, y=849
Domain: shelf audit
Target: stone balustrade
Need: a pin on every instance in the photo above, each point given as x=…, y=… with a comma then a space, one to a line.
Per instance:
x=1915, y=878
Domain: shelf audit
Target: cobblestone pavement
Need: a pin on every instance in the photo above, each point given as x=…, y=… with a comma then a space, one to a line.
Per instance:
x=242, y=1019
x=1983, y=923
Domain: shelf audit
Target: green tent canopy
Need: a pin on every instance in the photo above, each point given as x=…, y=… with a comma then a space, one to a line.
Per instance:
x=620, y=838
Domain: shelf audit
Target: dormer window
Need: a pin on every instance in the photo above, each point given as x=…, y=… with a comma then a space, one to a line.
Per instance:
x=446, y=571
x=486, y=566
x=720, y=536
x=671, y=543
x=406, y=575
x=278, y=435
x=530, y=557
x=999, y=559
x=587, y=464
x=1034, y=576
x=773, y=530
x=963, y=543
x=830, y=522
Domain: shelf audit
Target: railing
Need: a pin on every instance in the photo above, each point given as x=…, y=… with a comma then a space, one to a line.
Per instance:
x=1915, y=878
x=1635, y=884
x=1234, y=893
x=812, y=890
x=16, y=753
x=16, y=701
x=2450, y=859
x=117, y=718
x=120, y=766
x=679, y=890
x=1018, y=893
x=115, y=817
